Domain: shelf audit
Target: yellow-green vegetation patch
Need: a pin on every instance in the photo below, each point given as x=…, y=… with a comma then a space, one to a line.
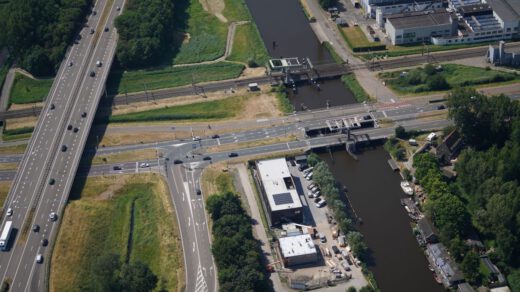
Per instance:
x=17, y=133
x=447, y=76
x=5, y=186
x=17, y=149
x=28, y=90
x=236, y=10
x=248, y=46
x=206, y=110
x=204, y=35
x=357, y=40
x=141, y=80
x=127, y=216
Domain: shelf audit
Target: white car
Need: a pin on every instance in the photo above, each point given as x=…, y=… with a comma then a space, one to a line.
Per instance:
x=314, y=189
x=144, y=164
x=9, y=212
x=309, y=176
x=53, y=216
x=39, y=258
x=306, y=171
x=196, y=138
x=320, y=203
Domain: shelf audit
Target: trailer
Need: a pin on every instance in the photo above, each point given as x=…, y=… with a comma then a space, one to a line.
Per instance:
x=6, y=234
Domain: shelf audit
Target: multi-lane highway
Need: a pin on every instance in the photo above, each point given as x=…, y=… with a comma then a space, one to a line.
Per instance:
x=47, y=170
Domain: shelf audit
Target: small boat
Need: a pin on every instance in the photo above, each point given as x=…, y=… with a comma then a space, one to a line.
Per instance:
x=437, y=278
x=431, y=268
x=407, y=188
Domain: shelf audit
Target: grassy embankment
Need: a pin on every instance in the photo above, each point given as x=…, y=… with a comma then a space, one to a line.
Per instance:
x=351, y=83
x=200, y=111
x=18, y=149
x=416, y=80
x=98, y=223
x=357, y=40
x=28, y=90
x=17, y=134
x=4, y=191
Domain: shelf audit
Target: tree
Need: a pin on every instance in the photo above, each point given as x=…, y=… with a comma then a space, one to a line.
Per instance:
x=400, y=132
x=313, y=159
x=450, y=215
x=437, y=82
x=355, y=240
x=514, y=280
x=137, y=277
x=351, y=289
x=458, y=248
x=470, y=266
x=429, y=69
x=327, y=3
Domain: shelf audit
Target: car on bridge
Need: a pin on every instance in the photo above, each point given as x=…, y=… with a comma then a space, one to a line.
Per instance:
x=233, y=154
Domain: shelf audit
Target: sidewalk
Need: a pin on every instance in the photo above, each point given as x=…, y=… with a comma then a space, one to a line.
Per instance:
x=258, y=228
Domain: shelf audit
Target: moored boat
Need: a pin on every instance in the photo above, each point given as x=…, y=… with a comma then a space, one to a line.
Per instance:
x=407, y=188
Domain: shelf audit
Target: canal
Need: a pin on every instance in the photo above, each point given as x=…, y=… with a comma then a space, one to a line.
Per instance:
x=398, y=263
x=285, y=24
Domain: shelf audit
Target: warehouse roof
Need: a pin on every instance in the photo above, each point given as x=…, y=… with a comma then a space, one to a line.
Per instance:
x=507, y=10
x=278, y=184
x=419, y=19
x=293, y=246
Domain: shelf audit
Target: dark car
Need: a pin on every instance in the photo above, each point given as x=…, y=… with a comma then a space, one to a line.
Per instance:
x=116, y=167
x=198, y=191
x=302, y=167
x=293, y=163
x=76, y=130
x=52, y=106
x=206, y=158
x=52, y=181
x=92, y=73
x=45, y=242
x=63, y=148
x=69, y=127
x=91, y=31
x=317, y=200
x=177, y=161
x=233, y=154
x=335, y=249
x=36, y=228
x=83, y=114
x=441, y=107
x=106, y=28
x=94, y=12
x=215, y=136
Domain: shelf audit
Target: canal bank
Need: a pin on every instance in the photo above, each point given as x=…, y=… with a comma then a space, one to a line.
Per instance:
x=286, y=32
x=374, y=192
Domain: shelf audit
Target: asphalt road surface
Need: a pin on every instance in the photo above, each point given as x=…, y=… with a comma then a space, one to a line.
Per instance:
x=48, y=168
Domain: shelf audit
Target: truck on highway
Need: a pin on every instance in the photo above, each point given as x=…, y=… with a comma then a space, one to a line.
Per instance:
x=6, y=234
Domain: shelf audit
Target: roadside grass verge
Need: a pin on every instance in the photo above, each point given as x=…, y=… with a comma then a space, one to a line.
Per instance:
x=248, y=46
x=140, y=80
x=136, y=155
x=418, y=80
x=97, y=223
x=18, y=149
x=215, y=180
x=28, y=90
x=5, y=186
x=333, y=53
x=250, y=144
x=8, y=165
x=17, y=134
x=200, y=111
x=350, y=81
x=284, y=104
x=204, y=35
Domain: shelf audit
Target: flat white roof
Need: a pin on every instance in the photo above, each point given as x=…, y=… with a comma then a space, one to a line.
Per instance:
x=276, y=178
x=293, y=246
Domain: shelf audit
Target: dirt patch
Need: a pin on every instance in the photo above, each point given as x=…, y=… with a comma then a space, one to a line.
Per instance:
x=137, y=155
x=215, y=7
x=261, y=106
x=21, y=123
x=118, y=184
x=15, y=106
x=252, y=72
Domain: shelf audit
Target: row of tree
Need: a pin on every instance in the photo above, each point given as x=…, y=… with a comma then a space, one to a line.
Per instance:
x=325, y=180
x=234, y=248
x=109, y=273
x=37, y=33
x=145, y=30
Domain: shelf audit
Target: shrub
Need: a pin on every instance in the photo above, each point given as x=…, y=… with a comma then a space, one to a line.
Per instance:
x=438, y=82
x=251, y=63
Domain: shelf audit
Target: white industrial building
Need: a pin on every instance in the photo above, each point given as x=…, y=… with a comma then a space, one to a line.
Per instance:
x=464, y=21
x=279, y=191
x=298, y=250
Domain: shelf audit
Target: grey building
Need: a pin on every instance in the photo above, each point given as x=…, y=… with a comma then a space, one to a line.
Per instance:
x=498, y=56
x=426, y=230
x=450, y=147
x=445, y=267
x=298, y=250
x=418, y=27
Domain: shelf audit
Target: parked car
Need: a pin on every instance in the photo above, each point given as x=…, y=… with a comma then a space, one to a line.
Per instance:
x=306, y=171
x=317, y=200
x=312, y=185
x=335, y=249
x=320, y=203
x=314, y=189
x=323, y=239
x=309, y=176
x=302, y=167
x=316, y=194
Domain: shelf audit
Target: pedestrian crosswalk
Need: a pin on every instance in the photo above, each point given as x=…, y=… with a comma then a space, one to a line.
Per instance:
x=200, y=285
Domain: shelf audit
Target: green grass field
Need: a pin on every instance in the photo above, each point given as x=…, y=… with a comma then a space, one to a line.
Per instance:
x=200, y=111
x=134, y=81
x=207, y=34
x=248, y=45
x=353, y=85
x=97, y=224
x=455, y=75
x=3, y=71
x=236, y=10
x=27, y=90
x=356, y=38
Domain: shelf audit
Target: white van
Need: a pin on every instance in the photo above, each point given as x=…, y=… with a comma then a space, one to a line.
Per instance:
x=253, y=86
x=432, y=136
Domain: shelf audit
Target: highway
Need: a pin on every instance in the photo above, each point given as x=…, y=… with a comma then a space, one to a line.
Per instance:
x=48, y=167
x=391, y=63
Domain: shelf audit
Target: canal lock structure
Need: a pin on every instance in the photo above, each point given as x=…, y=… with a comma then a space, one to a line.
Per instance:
x=286, y=33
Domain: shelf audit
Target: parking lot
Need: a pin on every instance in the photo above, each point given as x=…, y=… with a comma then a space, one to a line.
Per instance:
x=332, y=262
